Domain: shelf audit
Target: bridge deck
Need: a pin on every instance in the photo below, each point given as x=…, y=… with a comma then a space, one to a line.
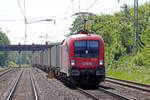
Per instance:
x=24, y=47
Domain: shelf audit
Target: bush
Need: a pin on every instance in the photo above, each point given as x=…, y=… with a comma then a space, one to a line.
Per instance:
x=139, y=61
x=11, y=63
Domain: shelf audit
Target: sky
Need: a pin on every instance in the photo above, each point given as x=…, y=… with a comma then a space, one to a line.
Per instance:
x=12, y=17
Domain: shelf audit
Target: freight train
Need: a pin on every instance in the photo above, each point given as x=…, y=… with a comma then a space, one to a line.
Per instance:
x=79, y=57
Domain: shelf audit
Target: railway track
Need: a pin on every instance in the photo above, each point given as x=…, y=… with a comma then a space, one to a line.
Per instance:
x=5, y=71
x=129, y=84
x=34, y=88
x=100, y=94
x=94, y=94
x=97, y=94
x=114, y=94
x=22, y=88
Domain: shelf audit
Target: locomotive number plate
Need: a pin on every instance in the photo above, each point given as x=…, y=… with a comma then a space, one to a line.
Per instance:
x=86, y=63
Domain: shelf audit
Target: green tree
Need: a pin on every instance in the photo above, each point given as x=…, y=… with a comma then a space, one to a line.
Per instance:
x=3, y=55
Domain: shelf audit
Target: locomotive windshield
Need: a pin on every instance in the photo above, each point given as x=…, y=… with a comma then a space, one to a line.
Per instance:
x=86, y=48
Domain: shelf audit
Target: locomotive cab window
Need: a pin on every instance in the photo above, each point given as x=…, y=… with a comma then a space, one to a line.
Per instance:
x=86, y=48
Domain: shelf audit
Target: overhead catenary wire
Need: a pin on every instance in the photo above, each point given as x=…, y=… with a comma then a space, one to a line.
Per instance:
x=73, y=5
x=59, y=17
x=9, y=20
x=23, y=12
x=79, y=5
x=63, y=18
x=25, y=20
x=91, y=5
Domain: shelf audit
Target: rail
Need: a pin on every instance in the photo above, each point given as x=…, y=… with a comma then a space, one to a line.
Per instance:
x=3, y=72
x=14, y=87
x=35, y=95
x=33, y=87
x=120, y=97
x=130, y=84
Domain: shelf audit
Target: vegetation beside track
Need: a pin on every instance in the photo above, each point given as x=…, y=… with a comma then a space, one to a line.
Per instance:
x=131, y=74
x=126, y=69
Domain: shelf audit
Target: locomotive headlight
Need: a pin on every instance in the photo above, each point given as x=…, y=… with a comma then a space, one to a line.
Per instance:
x=72, y=62
x=101, y=62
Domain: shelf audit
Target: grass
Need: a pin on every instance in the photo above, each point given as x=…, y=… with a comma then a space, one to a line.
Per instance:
x=133, y=68
x=131, y=74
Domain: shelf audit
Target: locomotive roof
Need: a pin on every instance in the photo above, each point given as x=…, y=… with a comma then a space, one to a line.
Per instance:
x=82, y=36
x=71, y=38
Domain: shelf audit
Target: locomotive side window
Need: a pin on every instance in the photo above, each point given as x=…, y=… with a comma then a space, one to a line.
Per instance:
x=86, y=48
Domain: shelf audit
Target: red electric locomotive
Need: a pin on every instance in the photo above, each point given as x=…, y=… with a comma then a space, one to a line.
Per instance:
x=82, y=58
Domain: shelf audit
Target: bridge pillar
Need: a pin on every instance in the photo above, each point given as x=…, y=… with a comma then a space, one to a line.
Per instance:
x=32, y=54
x=32, y=58
x=19, y=58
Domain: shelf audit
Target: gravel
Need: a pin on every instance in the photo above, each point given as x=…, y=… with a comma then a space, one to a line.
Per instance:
x=6, y=82
x=126, y=91
x=52, y=89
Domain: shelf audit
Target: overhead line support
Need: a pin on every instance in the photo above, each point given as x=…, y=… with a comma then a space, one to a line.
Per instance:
x=136, y=31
